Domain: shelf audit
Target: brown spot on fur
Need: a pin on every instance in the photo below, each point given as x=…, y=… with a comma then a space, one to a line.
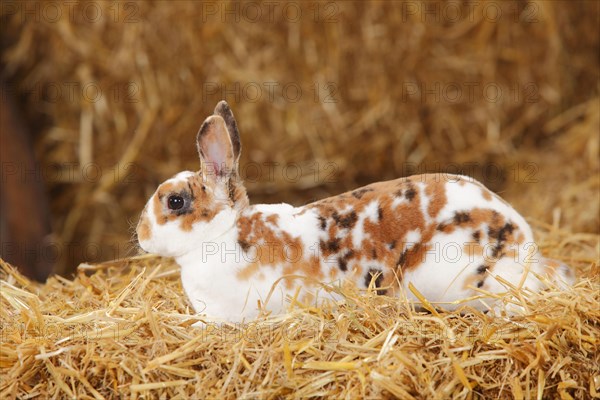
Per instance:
x=444, y=228
x=343, y=264
x=359, y=193
x=501, y=236
x=203, y=205
x=330, y=246
x=343, y=260
x=486, y=194
x=272, y=219
x=322, y=222
x=402, y=260
x=144, y=231
x=436, y=192
x=410, y=193
x=237, y=193
x=244, y=245
x=475, y=280
x=348, y=221
x=461, y=217
x=413, y=257
x=274, y=247
x=160, y=196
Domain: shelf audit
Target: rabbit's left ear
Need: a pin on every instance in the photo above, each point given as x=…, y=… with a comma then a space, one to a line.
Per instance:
x=215, y=148
x=224, y=111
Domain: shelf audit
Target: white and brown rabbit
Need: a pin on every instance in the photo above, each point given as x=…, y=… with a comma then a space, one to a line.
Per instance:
x=446, y=234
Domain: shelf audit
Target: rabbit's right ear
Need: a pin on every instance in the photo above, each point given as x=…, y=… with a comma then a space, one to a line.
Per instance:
x=224, y=111
x=215, y=148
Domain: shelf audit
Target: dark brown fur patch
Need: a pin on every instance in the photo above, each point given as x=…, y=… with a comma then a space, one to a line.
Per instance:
x=348, y=221
x=410, y=193
x=244, y=245
x=343, y=260
x=461, y=217
x=500, y=236
x=402, y=259
x=322, y=222
x=330, y=246
x=359, y=193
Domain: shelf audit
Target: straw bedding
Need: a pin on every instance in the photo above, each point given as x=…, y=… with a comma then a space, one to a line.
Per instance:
x=122, y=329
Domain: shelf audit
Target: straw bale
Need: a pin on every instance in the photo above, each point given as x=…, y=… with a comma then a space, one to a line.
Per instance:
x=123, y=329
x=386, y=88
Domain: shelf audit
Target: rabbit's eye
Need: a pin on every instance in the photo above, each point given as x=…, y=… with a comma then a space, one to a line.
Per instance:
x=175, y=202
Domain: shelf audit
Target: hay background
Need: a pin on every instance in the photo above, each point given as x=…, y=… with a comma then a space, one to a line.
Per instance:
x=59, y=339
x=543, y=54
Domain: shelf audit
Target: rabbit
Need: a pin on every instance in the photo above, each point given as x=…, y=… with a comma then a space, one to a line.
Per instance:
x=447, y=235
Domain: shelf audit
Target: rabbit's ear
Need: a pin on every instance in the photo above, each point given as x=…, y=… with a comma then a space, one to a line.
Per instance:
x=215, y=148
x=224, y=111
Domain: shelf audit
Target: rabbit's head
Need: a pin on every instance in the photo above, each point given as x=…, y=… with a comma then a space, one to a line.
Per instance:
x=195, y=207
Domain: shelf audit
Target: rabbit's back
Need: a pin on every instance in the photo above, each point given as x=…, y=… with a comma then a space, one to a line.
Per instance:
x=435, y=224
